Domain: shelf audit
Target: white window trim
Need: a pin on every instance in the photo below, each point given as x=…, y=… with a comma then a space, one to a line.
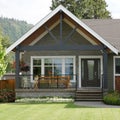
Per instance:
x=114, y=65
x=114, y=74
x=63, y=68
x=90, y=57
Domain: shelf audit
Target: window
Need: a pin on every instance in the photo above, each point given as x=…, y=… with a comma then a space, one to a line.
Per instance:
x=117, y=65
x=55, y=65
x=36, y=66
x=69, y=67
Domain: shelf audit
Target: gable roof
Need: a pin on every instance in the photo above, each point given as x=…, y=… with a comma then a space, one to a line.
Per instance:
x=73, y=17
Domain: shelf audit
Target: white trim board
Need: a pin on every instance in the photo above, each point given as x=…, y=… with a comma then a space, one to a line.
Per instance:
x=45, y=19
x=114, y=74
x=90, y=57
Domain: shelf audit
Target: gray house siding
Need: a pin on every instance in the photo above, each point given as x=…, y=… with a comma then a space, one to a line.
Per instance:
x=110, y=72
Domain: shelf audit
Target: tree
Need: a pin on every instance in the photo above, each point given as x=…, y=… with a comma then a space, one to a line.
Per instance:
x=84, y=9
x=3, y=63
x=13, y=28
x=5, y=42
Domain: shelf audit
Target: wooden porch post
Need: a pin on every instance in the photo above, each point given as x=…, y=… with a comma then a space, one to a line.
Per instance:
x=77, y=73
x=17, y=69
x=105, y=78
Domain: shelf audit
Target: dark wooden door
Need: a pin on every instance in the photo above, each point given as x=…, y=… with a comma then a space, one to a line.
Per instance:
x=90, y=72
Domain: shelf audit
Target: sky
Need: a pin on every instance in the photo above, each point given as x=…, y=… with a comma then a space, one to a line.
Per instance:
x=33, y=11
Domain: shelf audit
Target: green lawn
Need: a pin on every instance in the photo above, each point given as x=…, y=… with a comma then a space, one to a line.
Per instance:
x=54, y=111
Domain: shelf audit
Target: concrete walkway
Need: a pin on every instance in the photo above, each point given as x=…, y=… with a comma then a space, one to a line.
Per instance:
x=98, y=104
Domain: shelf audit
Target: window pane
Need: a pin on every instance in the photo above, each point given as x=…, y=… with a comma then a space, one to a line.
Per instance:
x=36, y=71
x=90, y=69
x=58, y=70
x=57, y=66
x=117, y=65
x=69, y=67
x=48, y=61
x=48, y=71
x=69, y=61
x=48, y=67
x=36, y=67
x=82, y=70
x=37, y=62
x=69, y=70
x=57, y=61
x=99, y=69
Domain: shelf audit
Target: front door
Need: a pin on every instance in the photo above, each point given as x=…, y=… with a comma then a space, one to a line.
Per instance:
x=90, y=72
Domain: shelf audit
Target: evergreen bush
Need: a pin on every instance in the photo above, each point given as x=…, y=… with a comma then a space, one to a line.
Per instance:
x=112, y=98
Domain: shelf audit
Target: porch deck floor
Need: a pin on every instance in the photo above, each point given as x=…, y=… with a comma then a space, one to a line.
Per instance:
x=46, y=90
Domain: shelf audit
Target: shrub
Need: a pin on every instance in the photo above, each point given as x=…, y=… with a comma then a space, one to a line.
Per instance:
x=7, y=95
x=112, y=98
x=1, y=98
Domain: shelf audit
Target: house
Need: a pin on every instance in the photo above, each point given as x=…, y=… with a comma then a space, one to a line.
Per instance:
x=85, y=53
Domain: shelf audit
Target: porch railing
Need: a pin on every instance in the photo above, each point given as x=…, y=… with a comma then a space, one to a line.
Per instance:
x=102, y=86
x=47, y=82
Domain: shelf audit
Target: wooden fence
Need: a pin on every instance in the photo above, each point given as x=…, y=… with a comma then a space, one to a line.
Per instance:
x=7, y=84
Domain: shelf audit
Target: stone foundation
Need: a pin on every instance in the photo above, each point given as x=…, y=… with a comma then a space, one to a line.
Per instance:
x=35, y=93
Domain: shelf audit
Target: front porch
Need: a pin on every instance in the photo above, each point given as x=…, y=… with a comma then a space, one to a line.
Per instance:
x=59, y=86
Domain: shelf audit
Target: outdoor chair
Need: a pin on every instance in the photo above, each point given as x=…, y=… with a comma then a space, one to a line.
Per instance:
x=36, y=82
x=26, y=82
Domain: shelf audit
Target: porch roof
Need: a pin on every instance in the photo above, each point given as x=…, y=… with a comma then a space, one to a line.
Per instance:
x=55, y=15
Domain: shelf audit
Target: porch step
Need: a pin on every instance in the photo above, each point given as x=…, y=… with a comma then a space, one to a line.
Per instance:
x=88, y=99
x=88, y=95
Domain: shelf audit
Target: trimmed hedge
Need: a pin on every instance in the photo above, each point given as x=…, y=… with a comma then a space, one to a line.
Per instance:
x=7, y=95
x=112, y=98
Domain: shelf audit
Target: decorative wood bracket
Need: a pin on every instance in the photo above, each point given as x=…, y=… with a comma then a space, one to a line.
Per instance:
x=51, y=34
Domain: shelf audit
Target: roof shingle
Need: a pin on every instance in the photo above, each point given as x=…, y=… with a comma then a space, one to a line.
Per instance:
x=109, y=29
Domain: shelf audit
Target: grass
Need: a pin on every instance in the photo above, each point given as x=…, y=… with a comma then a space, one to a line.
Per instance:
x=55, y=111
